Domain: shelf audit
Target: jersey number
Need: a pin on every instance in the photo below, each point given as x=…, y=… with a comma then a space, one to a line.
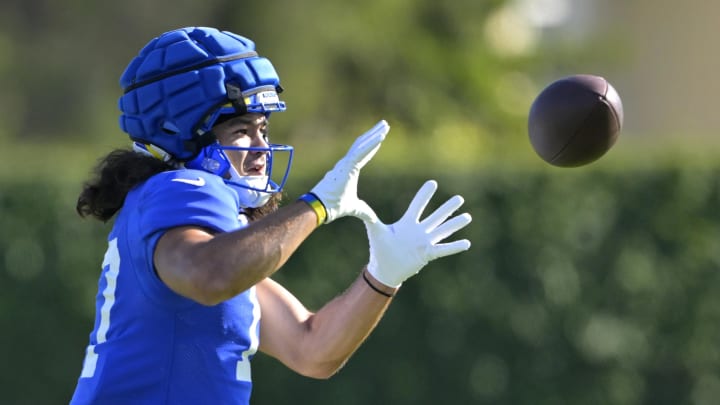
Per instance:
x=242, y=370
x=111, y=268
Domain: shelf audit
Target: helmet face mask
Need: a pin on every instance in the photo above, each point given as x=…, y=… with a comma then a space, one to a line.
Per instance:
x=183, y=81
x=254, y=191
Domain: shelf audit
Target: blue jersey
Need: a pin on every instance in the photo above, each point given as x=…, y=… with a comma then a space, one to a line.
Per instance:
x=150, y=345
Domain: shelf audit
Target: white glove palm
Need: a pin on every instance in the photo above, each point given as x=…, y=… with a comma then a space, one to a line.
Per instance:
x=401, y=250
x=337, y=191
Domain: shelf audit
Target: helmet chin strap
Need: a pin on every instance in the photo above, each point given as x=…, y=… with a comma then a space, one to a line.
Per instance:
x=249, y=188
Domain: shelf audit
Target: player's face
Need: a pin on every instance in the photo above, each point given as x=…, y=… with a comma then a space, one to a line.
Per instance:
x=249, y=130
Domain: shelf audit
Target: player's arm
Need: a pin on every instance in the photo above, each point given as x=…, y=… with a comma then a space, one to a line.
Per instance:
x=318, y=344
x=210, y=268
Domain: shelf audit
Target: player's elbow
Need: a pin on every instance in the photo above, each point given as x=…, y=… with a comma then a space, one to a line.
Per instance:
x=317, y=356
x=322, y=371
x=207, y=299
x=211, y=291
x=210, y=287
x=313, y=363
x=321, y=376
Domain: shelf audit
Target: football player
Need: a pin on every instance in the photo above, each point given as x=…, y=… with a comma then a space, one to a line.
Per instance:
x=185, y=297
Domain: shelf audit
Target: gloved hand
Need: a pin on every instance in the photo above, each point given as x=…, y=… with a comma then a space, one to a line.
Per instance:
x=401, y=250
x=337, y=191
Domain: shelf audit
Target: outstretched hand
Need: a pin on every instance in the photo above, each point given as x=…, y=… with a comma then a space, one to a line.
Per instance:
x=400, y=250
x=337, y=191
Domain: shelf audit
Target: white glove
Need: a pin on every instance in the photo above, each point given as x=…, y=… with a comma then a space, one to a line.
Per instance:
x=337, y=191
x=401, y=250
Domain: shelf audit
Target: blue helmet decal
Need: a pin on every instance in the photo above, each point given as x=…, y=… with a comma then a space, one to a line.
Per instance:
x=181, y=81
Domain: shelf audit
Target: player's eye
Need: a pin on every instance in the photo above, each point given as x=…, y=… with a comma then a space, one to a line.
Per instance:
x=241, y=130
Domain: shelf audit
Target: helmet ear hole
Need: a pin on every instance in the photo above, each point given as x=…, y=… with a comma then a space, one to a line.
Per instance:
x=210, y=159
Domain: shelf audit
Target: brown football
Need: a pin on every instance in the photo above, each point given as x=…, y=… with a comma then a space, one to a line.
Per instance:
x=575, y=120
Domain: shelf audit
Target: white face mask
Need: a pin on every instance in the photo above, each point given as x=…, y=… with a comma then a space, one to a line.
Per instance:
x=250, y=187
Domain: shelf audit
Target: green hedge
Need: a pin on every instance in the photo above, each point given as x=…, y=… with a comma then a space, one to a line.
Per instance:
x=581, y=287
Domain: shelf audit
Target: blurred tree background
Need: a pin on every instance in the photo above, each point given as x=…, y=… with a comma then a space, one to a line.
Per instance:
x=596, y=285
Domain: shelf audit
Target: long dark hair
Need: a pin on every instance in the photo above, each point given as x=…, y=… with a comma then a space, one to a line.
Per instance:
x=121, y=170
x=114, y=176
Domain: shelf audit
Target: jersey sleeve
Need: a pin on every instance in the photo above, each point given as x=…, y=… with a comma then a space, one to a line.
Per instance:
x=169, y=200
x=188, y=198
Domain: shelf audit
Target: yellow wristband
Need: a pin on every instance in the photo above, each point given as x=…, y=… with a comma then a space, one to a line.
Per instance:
x=316, y=205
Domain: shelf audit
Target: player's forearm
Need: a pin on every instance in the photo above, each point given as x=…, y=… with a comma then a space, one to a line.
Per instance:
x=341, y=326
x=268, y=243
x=256, y=252
x=210, y=269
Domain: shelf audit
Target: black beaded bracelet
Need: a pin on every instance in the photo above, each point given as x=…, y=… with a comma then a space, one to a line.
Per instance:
x=377, y=290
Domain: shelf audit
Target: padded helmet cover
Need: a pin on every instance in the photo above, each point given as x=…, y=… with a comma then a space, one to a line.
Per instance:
x=178, y=79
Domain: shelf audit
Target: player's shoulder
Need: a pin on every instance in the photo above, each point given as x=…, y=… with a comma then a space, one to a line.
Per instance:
x=185, y=185
x=180, y=194
x=184, y=179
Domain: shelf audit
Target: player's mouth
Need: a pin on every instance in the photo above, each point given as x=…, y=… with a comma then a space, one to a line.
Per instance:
x=255, y=169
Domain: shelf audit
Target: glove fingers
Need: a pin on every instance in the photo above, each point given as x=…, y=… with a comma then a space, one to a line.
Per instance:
x=450, y=227
x=359, y=164
x=441, y=214
x=368, y=144
x=451, y=248
x=374, y=135
x=421, y=200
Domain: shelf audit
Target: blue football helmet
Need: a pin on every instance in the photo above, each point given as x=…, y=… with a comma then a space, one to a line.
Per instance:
x=178, y=86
